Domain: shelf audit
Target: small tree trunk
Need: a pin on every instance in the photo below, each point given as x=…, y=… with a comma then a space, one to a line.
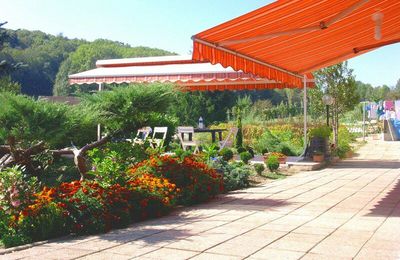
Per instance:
x=79, y=155
x=335, y=124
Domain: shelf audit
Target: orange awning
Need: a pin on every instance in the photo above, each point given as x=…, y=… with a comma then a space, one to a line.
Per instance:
x=289, y=38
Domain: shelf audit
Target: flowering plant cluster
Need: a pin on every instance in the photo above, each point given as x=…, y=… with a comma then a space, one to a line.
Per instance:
x=277, y=154
x=16, y=190
x=147, y=189
x=195, y=180
x=86, y=207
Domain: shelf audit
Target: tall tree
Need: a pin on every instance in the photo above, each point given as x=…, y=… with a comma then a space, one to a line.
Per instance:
x=6, y=83
x=338, y=81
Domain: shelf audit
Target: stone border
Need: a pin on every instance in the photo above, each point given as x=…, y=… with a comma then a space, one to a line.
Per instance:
x=4, y=251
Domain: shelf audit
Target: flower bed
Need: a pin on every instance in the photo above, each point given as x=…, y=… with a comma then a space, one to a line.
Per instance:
x=196, y=180
x=151, y=189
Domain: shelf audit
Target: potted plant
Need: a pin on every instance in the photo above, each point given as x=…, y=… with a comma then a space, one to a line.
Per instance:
x=319, y=138
x=318, y=156
x=280, y=156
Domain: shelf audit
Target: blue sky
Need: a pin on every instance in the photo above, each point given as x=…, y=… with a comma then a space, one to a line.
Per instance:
x=165, y=24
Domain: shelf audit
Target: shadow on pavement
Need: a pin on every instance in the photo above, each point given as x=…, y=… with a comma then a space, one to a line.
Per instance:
x=367, y=164
x=388, y=204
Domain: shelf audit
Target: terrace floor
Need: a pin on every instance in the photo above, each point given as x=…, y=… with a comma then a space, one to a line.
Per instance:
x=349, y=210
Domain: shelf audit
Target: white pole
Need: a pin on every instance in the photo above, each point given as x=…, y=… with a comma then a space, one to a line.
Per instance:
x=98, y=125
x=363, y=127
x=305, y=112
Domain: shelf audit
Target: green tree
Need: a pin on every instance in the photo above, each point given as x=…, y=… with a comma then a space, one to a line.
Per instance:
x=338, y=81
x=86, y=55
x=7, y=84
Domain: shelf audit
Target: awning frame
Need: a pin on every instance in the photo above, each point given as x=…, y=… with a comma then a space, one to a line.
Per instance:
x=321, y=26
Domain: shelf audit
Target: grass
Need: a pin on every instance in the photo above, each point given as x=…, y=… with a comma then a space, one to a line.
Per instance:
x=275, y=176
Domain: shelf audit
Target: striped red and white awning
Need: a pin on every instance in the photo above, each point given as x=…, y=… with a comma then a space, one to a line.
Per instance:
x=183, y=71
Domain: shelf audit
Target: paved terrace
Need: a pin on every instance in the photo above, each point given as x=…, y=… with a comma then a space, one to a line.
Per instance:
x=350, y=210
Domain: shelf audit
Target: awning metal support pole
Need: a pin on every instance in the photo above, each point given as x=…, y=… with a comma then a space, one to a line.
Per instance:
x=363, y=126
x=98, y=125
x=305, y=113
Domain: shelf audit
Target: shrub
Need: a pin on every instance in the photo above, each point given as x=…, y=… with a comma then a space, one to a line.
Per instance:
x=241, y=150
x=285, y=149
x=235, y=175
x=345, y=138
x=245, y=157
x=259, y=168
x=16, y=190
x=56, y=124
x=272, y=163
x=267, y=141
x=250, y=150
x=210, y=152
x=126, y=109
x=239, y=135
x=111, y=162
x=46, y=220
x=320, y=132
x=226, y=153
x=196, y=180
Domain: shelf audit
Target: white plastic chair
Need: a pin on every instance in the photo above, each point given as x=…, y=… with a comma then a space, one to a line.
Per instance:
x=187, y=130
x=141, y=135
x=157, y=142
x=230, y=138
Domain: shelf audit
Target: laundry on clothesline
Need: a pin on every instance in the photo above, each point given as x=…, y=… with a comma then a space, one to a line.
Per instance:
x=388, y=109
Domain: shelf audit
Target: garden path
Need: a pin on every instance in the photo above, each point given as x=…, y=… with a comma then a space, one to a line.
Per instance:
x=349, y=210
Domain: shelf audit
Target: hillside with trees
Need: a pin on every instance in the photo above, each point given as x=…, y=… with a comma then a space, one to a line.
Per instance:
x=46, y=60
x=36, y=63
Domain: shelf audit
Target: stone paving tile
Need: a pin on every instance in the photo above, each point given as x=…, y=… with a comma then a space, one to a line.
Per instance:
x=162, y=239
x=131, y=249
x=373, y=253
x=95, y=245
x=168, y=253
x=209, y=256
x=271, y=253
x=104, y=256
x=200, y=242
x=348, y=241
x=297, y=242
x=28, y=253
x=247, y=243
x=65, y=253
x=312, y=256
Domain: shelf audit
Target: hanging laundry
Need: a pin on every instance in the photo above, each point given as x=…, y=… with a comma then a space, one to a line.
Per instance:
x=389, y=104
x=373, y=113
x=381, y=111
x=397, y=109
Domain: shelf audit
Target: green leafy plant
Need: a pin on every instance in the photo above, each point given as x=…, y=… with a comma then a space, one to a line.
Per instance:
x=245, y=157
x=272, y=163
x=320, y=132
x=210, y=151
x=259, y=168
x=16, y=189
x=250, y=150
x=236, y=175
x=226, y=153
x=111, y=162
x=239, y=135
x=241, y=150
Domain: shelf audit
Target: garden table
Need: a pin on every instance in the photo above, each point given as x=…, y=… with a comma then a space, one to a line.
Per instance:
x=212, y=131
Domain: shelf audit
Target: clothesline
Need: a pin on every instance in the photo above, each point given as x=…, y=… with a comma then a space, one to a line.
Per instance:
x=388, y=109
